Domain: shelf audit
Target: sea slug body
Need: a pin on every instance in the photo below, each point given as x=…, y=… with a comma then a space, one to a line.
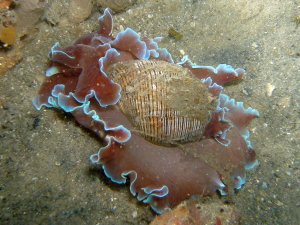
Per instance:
x=167, y=126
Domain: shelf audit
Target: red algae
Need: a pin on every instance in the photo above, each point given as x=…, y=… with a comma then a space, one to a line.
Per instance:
x=188, y=213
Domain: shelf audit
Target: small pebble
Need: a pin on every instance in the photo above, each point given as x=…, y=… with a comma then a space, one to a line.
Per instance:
x=264, y=185
x=270, y=89
x=134, y=214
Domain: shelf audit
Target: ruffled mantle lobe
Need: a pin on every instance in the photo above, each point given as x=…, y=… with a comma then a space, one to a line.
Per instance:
x=161, y=176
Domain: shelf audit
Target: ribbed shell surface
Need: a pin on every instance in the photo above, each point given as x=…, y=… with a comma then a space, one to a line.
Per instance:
x=165, y=103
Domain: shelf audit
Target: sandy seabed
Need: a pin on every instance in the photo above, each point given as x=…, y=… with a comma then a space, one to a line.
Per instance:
x=46, y=176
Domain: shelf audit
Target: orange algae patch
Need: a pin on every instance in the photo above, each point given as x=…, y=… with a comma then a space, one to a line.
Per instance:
x=5, y=3
x=8, y=35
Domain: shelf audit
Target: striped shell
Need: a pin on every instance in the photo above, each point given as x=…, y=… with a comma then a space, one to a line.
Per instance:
x=165, y=103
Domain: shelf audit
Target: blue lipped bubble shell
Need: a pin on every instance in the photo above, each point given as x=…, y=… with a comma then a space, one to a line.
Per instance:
x=165, y=103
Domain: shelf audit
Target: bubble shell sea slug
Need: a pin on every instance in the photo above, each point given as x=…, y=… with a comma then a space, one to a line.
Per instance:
x=167, y=126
